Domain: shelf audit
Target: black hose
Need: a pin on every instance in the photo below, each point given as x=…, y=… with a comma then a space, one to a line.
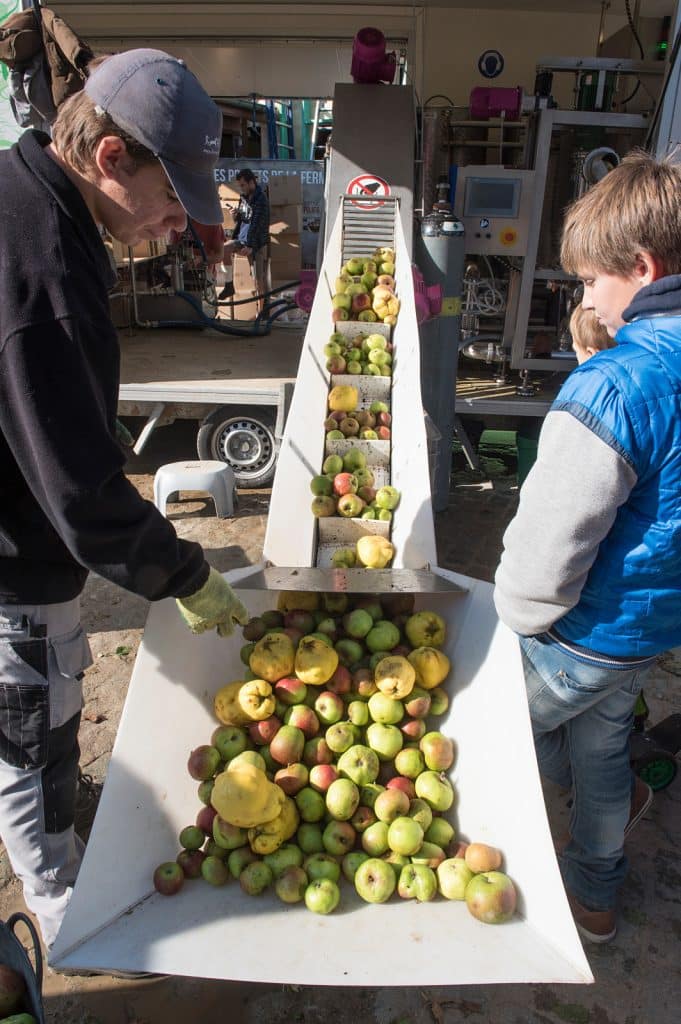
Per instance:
x=216, y=325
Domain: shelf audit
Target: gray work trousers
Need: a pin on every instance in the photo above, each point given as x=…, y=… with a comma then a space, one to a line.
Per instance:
x=43, y=654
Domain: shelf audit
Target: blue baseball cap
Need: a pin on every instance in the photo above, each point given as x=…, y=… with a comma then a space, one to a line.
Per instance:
x=156, y=99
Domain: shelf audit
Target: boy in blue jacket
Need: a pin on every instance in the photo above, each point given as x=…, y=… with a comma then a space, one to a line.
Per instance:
x=590, y=577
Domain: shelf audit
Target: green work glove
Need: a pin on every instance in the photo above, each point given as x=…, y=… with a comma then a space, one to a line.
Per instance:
x=214, y=605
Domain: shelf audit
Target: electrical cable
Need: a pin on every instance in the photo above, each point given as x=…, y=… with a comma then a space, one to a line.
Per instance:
x=439, y=96
x=641, y=51
x=663, y=91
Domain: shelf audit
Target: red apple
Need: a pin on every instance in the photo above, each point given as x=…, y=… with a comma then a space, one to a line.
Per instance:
x=292, y=778
x=403, y=783
x=322, y=775
x=263, y=732
x=345, y=483
x=168, y=878
x=340, y=682
x=304, y=718
x=290, y=690
x=204, y=819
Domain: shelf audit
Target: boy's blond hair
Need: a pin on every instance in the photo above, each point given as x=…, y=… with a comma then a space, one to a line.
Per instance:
x=635, y=208
x=79, y=127
x=587, y=332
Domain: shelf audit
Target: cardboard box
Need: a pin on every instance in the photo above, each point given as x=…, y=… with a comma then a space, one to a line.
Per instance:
x=229, y=193
x=285, y=190
x=242, y=274
x=286, y=220
x=143, y=250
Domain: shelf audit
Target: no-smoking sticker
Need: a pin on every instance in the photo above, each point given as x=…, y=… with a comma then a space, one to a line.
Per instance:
x=368, y=186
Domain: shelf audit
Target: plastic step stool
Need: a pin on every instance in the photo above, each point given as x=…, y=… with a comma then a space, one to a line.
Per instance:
x=215, y=477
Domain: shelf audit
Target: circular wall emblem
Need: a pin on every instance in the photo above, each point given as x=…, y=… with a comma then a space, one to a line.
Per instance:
x=490, y=64
x=368, y=186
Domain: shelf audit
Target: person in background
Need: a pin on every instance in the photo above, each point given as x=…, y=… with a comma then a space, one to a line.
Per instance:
x=589, y=576
x=132, y=153
x=588, y=335
x=251, y=230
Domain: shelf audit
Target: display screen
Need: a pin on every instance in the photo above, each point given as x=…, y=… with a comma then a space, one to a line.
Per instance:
x=491, y=197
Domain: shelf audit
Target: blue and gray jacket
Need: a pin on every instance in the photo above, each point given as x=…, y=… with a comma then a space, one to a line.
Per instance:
x=593, y=556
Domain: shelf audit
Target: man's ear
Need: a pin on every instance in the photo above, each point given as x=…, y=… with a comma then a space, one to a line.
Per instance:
x=112, y=158
x=648, y=268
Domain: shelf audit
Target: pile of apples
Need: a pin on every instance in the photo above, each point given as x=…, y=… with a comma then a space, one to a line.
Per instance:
x=365, y=289
x=366, y=354
x=325, y=765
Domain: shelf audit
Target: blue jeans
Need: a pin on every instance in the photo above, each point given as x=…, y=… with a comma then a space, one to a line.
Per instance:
x=581, y=719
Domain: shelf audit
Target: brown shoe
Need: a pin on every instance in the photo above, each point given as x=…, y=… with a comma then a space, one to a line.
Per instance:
x=593, y=925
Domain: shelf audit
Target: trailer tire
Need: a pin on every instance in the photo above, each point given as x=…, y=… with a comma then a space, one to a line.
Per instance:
x=244, y=439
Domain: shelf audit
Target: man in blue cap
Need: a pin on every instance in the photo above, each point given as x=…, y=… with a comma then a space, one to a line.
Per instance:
x=133, y=153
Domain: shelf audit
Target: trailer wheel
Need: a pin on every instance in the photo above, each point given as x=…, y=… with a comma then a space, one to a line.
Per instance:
x=244, y=441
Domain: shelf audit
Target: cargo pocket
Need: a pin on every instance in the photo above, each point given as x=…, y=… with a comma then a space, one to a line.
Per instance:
x=24, y=702
x=70, y=656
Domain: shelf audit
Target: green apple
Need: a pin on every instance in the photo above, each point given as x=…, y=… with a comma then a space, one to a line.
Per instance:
x=339, y=838
x=340, y=737
x=229, y=837
x=192, y=837
x=362, y=819
x=333, y=464
x=417, y=883
x=391, y=804
x=310, y=804
x=375, y=880
x=351, y=861
x=453, y=875
x=357, y=623
x=322, y=896
x=420, y=811
x=491, y=897
x=438, y=751
x=321, y=865
x=239, y=859
x=435, y=789
x=290, y=884
x=385, y=709
x=374, y=840
x=229, y=740
x=440, y=832
x=409, y=762
x=309, y=838
x=383, y=636
x=405, y=836
x=342, y=799
x=360, y=764
x=358, y=713
x=354, y=459
x=439, y=701
x=386, y=740
x=430, y=855
x=288, y=855
x=396, y=861
x=368, y=794
x=214, y=871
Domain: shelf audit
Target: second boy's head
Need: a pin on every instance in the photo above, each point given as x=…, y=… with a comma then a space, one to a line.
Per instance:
x=589, y=336
x=623, y=234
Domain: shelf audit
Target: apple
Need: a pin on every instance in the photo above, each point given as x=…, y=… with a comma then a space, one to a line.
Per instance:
x=350, y=506
x=323, y=507
x=292, y=778
x=203, y=762
x=321, y=865
x=361, y=301
x=205, y=790
x=321, y=485
x=383, y=636
x=345, y=558
x=190, y=861
x=302, y=717
x=429, y=855
x=336, y=364
x=375, y=880
x=341, y=300
x=309, y=838
x=409, y=762
x=369, y=793
x=192, y=837
x=204, y=820
x=405, y=836
x=491, y=897
x=439, y=701
x=457, y=848
x=328, y=626
x=365, y=478
x=322, y=896
x=363, y=683
x=211, y=849
x=335, y=435
x=417, y=702
x=229, y=740
x=360, y=764
x=391, y=804
x=290, y=690
x=340, y=737
x=287, y=745
x=480, y=858
x=345, y=483
x=413, y=729
x=417, y=882
x=362, y=819
x=342, y=799
x=349, y=426
x=374, y=839
x=357, y=623
x=272, y=618
x=421, y=812
x=350, y=863
x=341, y=681
x=354, y=459
x=339, y=838
x=322, y=775
x=228, y=837
x=385, y=709
x=425, y=629
x=291, y=884
x=317, y=751
x=438, y=752
x=349, y=651
x=358, y=713
x=385, y=740
x=214, y=871
x=404, y=784
x=254, y=629
x=255, y=877
x=367, y=434
x=310, y=804
x=288, y=855
x=264, y=731
x=453, y=875
x=168, y=878
x=332, y=348
x=435, y=789
x=332, y=464
x=440, y=832
x=329, y=708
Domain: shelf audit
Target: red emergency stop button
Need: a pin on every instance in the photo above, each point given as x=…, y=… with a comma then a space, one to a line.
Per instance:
x=508, y=236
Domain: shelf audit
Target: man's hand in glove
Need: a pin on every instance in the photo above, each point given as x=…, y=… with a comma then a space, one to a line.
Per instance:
x=214, y=605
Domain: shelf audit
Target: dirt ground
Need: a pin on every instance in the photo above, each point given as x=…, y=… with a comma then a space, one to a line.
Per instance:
x=638, y=976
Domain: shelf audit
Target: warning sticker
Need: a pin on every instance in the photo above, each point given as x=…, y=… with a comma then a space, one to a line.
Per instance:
x=366, y=186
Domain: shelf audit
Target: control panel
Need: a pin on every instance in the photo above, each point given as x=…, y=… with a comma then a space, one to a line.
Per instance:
x=495, y=205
